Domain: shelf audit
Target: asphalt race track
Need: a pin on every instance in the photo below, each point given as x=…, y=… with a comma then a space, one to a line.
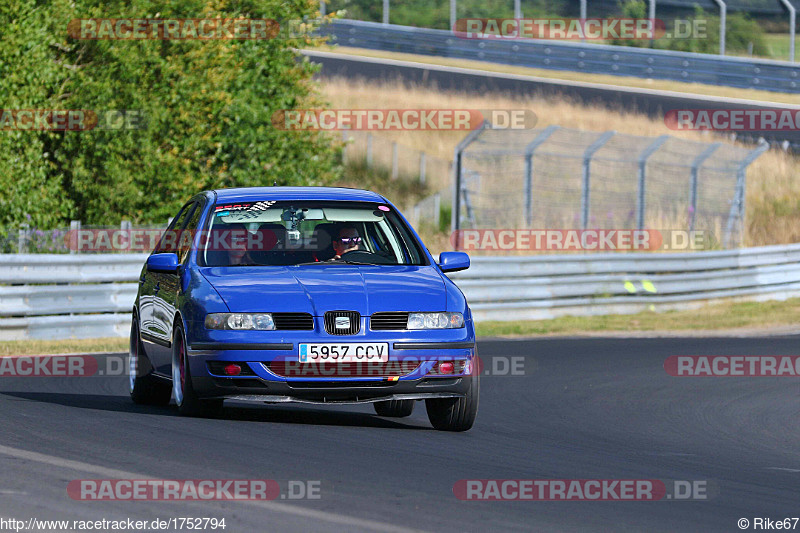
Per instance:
x=583, y=409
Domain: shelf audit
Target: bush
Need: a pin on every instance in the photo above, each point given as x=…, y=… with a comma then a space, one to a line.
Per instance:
x=208, y=105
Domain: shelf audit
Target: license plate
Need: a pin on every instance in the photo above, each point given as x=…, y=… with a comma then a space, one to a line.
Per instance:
x=344, y=352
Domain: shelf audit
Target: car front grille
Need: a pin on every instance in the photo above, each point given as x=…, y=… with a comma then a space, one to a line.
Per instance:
x=293, y=321
x=354, y=325
x=391, y=320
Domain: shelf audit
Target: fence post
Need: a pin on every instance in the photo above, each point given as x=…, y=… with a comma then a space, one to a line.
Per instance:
x=737, y=207
x=386, y=11
x=696, y=165
x=455, y=221
x=529, y=149
x=723, y=23
x=437, y=210
x=22, y=238
x=792, y=23
x=75, y=229
x=583, y=16
x=422, y=166
x=587, y=161
x=395, y=170
x=369, y=150
x=641, y=204
x=322, y=7
x=652, y=22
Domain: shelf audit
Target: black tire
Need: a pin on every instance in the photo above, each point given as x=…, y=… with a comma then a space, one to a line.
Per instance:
x=189, y=404
x=455, y=414
x=144, y=387
x=394, y=408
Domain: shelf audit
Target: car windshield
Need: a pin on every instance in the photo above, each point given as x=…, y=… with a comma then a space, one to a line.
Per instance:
x=270, y=233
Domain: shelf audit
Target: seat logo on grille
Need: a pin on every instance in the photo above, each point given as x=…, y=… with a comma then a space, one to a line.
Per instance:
x=342, y=322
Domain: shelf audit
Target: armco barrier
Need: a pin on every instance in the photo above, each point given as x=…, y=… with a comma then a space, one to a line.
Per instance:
x=85, y=296
x=768, y=75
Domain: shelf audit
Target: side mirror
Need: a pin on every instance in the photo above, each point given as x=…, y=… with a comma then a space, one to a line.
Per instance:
x=453, y=261
x=167, y=262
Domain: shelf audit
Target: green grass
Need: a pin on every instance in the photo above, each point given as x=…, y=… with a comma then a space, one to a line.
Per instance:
x=404, y=190
x=723, y=316
x=778, y=44
x=39, y=347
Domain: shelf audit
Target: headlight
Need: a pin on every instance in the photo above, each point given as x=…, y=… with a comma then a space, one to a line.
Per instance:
x=260, y=321
x=435, y=320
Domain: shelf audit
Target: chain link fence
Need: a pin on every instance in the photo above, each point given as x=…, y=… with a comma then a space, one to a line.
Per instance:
x=559, y=178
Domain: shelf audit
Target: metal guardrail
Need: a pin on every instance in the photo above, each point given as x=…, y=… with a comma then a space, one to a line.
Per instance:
x=768, y=75
x=89, y=296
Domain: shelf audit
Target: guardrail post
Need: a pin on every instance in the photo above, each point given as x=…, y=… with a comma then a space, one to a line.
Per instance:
x=696, y=164
x=395, y=170
x=587, y=161
x=386, y=11
x=529, y=149
x=422, y=166
x=723, y=22
x=455, y=219
x=517, y=9
x=792, y=24
x=737, y=207
x=75, y=229
x=641, y=204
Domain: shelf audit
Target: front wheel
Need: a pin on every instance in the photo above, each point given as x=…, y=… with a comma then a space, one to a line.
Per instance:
x=182, y=390
x=144, y=387
x=455, y=414
x=394, y=408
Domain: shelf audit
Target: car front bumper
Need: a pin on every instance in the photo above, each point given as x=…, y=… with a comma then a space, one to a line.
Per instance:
x=263, y=385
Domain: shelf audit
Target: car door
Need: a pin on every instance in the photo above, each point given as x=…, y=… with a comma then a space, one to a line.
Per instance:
x=152, y=304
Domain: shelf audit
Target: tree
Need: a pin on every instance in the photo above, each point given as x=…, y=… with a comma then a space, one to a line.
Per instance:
x=207, y=106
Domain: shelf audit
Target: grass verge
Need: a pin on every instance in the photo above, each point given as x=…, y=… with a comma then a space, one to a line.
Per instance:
x=722, y=316
x=39, y=347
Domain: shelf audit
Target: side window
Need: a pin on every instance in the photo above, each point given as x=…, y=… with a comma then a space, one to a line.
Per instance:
x=188, y=233
x=169, y=241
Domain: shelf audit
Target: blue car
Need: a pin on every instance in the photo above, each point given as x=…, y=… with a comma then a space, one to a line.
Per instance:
x=302, y=294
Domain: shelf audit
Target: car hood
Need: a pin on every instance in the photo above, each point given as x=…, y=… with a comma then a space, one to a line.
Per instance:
x=316, y=289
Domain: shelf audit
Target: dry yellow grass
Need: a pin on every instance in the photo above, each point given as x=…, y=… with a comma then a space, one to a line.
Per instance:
x=773, y=181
